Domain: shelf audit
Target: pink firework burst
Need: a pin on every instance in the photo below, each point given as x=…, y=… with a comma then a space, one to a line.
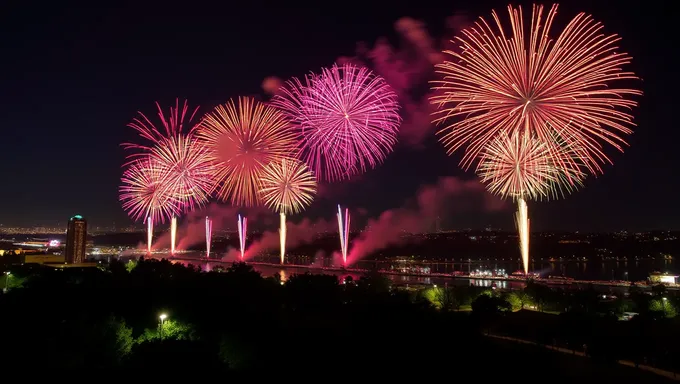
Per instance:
x=185, y=170
x=347, y=118
x=173, y=125
x=143, y=193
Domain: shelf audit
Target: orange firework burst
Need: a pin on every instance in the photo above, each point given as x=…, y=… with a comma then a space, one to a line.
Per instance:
x=519, y=166
x=528, y=81
x=287, y=186
x=242, y=138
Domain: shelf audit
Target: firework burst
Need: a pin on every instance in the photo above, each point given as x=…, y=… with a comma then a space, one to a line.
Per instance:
x=528, y=81
x=519, y=166
x=188, y=174
x=287, y=187
x=143, y=194
x=241, y=139
x=347, y=119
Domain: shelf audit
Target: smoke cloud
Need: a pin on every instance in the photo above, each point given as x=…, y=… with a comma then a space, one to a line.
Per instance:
x=191, y=230
x=300, y=233
x=447, y=196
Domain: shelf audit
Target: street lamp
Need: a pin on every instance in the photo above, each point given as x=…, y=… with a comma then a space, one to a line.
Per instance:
x=7, y=276
x=663, y=300
x=162, y=318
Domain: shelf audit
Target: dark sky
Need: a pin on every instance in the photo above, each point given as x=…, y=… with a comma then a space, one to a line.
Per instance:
x=73, y=75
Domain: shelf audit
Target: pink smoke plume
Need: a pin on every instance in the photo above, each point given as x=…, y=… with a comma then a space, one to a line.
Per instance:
x=407, y=67
x=448, y=195
x=300, y=233
x=191, y=229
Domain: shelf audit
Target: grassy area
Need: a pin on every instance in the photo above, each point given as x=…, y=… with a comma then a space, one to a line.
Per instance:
x=541, y=364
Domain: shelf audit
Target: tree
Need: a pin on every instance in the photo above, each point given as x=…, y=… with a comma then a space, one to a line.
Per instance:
x=442, y=298
x=172, y=330
x=130, y=265
x=519, y=299
x=663, y=307
x=490, y=306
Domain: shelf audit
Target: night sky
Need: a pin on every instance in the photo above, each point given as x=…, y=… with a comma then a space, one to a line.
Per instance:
x=73, y=75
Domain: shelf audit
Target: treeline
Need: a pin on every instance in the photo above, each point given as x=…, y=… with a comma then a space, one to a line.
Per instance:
x=108, y=320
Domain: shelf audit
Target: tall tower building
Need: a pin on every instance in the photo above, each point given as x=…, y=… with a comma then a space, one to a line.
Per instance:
x=76, y=238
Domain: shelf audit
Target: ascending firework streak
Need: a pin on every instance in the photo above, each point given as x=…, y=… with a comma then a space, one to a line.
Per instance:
x=173, y=234
x=242, y=226
x=149, y=233
x=522, y=221
x=282, y=236
x=343, y=230
x=208, y=236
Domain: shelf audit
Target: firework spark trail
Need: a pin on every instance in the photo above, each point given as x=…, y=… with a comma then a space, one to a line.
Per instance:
x=282, y=236
x=287, y=187
x=343, y=231
x=242, y=230
x=173, y=234
x=242, y=138
x=522, y=222
x=149, y=234
x=530, y=82
x=347, y=118
x=208, y=236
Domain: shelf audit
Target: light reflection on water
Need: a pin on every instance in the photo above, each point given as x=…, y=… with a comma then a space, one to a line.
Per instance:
x=632, y=270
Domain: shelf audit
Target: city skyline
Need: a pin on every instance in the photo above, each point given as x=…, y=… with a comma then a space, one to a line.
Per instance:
x=86, y=125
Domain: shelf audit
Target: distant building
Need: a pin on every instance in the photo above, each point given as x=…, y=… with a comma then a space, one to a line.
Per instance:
x=662, y=278
x=76, y=237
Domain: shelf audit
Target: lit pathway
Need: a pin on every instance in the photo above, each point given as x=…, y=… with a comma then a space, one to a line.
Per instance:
x=660, y=372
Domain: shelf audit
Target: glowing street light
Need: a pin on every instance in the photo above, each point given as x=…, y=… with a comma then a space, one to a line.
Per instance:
x=162, y=318
x=8, y=274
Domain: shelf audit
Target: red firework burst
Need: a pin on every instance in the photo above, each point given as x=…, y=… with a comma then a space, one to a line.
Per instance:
x=143, y=193
x=528, y=81
x=347, y=119
x=241, y=139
